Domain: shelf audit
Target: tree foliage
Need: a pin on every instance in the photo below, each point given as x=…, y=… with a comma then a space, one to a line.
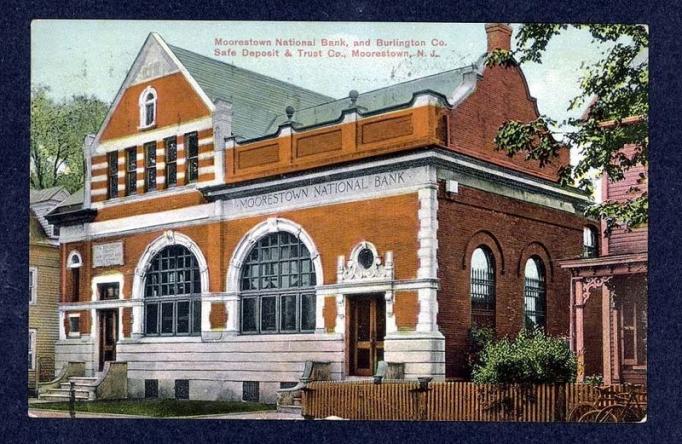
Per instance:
x=614, y=90
x=531, y=358
x=58, y=129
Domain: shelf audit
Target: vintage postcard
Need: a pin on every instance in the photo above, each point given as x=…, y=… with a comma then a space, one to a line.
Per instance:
x=348, y=220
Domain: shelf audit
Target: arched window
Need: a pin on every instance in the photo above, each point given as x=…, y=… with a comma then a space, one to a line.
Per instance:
x=172, y=293
x=147, y=108
x=534, y=293
x=277, y=281
x=482, y=288
x=589, y=242
x=74, y=263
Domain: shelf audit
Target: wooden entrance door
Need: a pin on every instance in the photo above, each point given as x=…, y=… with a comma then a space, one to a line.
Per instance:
x=108, y=335
x=367, y=331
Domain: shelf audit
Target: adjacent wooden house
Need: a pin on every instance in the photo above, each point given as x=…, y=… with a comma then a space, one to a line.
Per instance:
x=43, y=280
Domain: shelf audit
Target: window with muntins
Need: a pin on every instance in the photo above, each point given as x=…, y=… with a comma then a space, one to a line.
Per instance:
x=148, y=108
x=32, y=285
x=171, y=162
x=112, y=175
x=173, y=293
x=277, y=284
x=482, y=288
x=109, y=290
x=534, y=293
x=150, y=166
x=131, y=171
x=192, y=153
x=589, y=242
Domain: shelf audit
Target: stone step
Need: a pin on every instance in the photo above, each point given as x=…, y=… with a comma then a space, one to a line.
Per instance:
x=67, y=386
x=56, y=397
x=65, y=392
x=296, y=409
x=83, y=380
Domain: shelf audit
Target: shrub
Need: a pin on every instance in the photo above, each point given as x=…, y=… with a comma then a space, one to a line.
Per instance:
x=478, y=339
x=531, y=358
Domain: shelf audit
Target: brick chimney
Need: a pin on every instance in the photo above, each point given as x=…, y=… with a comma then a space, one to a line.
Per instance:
x=499, y=36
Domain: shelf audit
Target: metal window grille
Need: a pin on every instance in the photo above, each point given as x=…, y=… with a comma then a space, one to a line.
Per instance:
x=150, y=166
x=250, y=391
x=483, y=297
x=112, y=182
x=192, y=153
x=131, y=171
x=534, y=302
x=171, y=162
x=274, y=278
x=151, y=388
x=173, y=293
x=182, y=389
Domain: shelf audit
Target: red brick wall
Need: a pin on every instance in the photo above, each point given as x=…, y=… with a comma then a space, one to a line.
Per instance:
x=390, y=223
x=513, y=231
x=501, y=95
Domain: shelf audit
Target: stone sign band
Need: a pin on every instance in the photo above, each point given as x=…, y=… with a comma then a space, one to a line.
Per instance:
x=104, y=255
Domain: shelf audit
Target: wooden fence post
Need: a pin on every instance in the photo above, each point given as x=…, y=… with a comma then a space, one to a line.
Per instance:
x=560, y=402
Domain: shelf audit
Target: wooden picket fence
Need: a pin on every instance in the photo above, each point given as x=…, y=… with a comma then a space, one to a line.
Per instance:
x=445, y=401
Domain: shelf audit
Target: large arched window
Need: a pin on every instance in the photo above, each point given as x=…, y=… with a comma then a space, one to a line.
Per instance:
x=277, y=281
x=147, y=107
x=172, y=293
x=482, y=288
x=534, y=293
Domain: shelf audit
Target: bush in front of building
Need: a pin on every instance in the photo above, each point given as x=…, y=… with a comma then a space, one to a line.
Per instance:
x=531, y=358
x=479, y=337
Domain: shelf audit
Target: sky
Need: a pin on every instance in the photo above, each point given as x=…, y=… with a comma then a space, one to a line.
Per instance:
x=92, y=57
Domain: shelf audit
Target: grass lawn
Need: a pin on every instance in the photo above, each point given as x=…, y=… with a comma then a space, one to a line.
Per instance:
x=159, y=408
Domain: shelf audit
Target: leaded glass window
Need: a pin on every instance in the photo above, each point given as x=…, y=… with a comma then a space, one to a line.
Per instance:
x=150, y=166
x=482, y=288
x=112, y=174
x=277, y=281
x=131, y=171
x=534, y=293
x=173, y=293
x=192, y=153
x=171, y=161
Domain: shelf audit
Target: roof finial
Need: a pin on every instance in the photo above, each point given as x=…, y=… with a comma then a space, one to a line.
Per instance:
x=353, y=94
x=290, y=112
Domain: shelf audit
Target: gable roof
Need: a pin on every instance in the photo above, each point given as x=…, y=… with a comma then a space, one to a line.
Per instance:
x=58, y=193
x=256, y=99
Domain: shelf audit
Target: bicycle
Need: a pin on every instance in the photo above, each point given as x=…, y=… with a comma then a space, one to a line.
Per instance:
x=628, y=410
x=588, y=411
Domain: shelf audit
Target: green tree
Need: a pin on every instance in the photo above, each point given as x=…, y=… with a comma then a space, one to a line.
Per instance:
x=614, y=89
x=58, y=129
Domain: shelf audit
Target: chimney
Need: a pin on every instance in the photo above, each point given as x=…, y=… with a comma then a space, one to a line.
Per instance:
x=499, y=36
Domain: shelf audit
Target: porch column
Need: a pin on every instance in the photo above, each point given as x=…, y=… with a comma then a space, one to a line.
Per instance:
x=606, y=334
x=615, y=335
x=579, y=329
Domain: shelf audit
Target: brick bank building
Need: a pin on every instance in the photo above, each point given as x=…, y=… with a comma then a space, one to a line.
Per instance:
x=233, y=226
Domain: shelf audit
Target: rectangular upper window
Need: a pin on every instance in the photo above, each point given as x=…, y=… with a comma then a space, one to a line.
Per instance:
x=112, y=175
x=32, y=285
x=171, y=161
x=74, y=325
x=131, y=171
x=192, y=154
x=150, y=166
x=32, y=349
x=107, y=290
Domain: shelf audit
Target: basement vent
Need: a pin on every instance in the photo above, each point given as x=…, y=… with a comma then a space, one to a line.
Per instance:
x=250, y=391
x=182, y=389
x=151, y=388
x=287, y=385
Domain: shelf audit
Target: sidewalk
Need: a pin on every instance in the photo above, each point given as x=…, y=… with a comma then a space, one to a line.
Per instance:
x=36, y=412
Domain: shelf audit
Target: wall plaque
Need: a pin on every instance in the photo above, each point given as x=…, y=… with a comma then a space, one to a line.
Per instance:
x=104, y=255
